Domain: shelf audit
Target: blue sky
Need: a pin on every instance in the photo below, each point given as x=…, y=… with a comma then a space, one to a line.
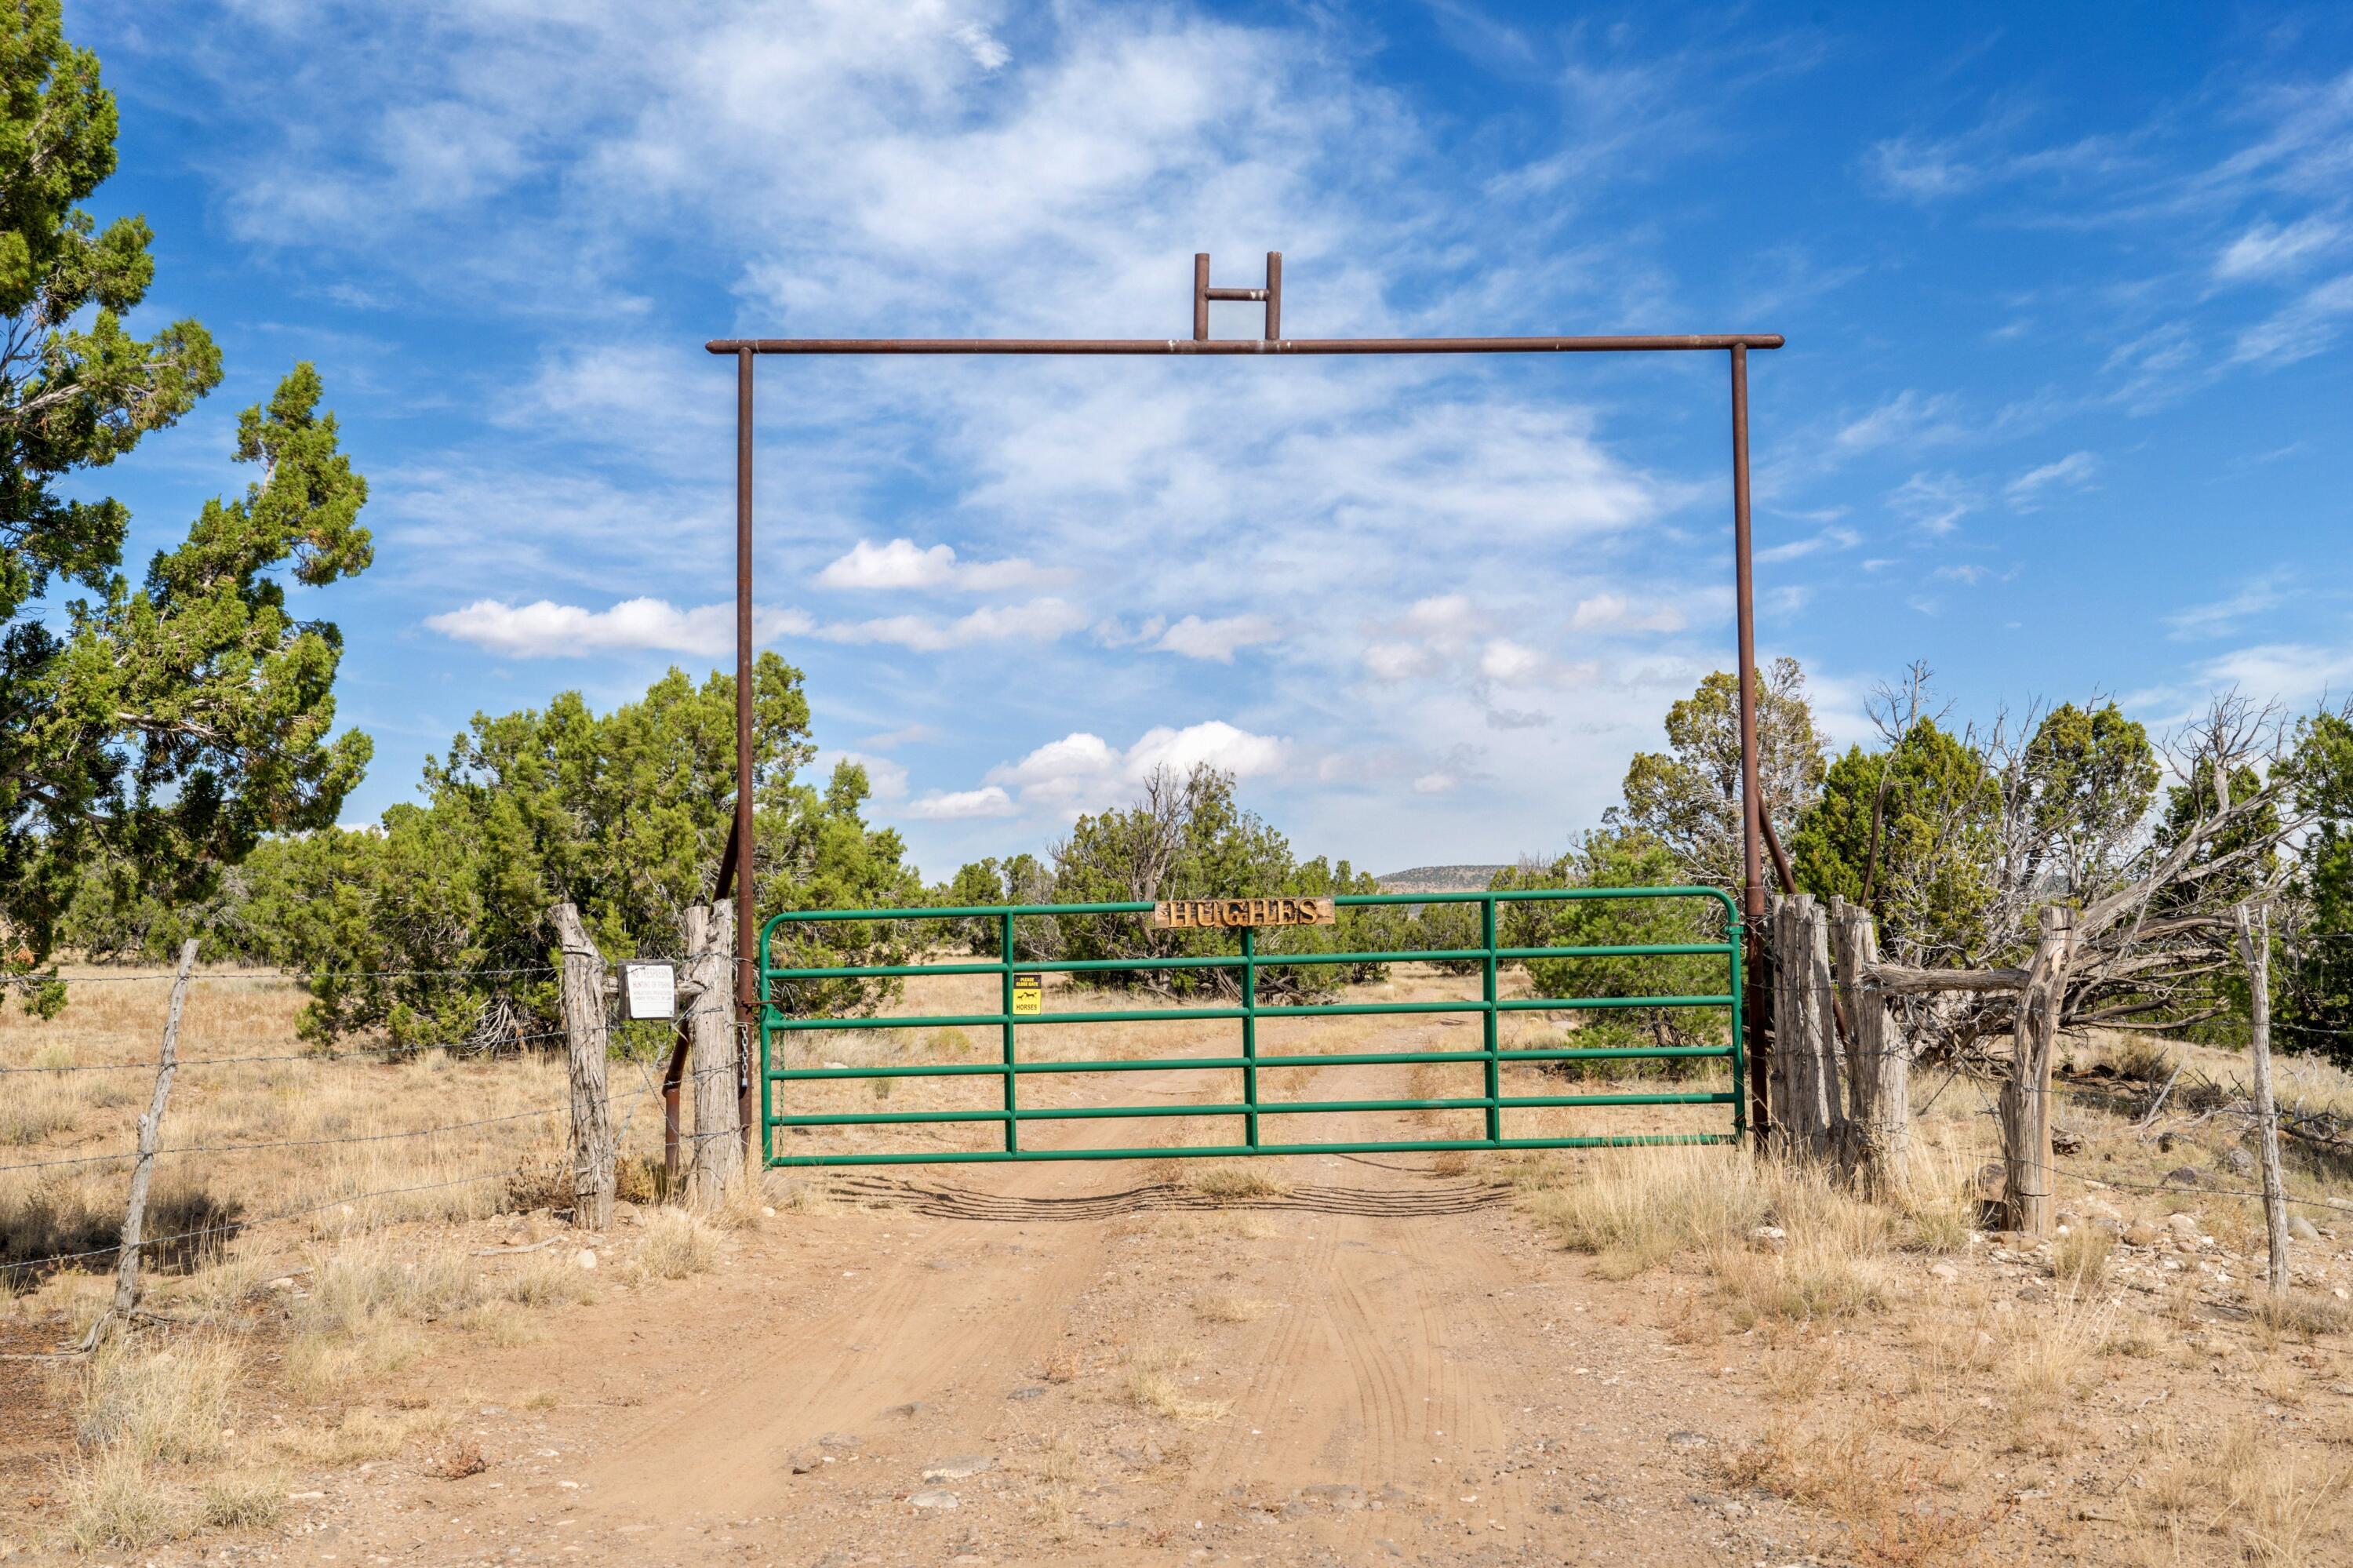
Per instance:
x=2062, y=412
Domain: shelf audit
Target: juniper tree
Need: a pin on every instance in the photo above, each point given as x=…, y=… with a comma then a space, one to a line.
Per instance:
x=159, y=730
x=1688, y=797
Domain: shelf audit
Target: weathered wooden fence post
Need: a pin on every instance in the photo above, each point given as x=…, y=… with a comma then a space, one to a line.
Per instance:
x=1879, y=1060
x=717, y=1163
x=142, y=1167
x=584, y=1041
x=1811, y=1103
x=2026, y=1097
x=2254, y=933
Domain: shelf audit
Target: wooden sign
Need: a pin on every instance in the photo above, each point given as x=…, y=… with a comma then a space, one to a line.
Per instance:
x=1029, y=996
x=1198, y=914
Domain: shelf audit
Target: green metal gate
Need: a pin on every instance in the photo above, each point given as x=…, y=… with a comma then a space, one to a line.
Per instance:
x=777, y=1017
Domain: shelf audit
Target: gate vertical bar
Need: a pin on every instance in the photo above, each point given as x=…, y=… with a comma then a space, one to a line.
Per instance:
x=1494, y=1077
x=747, y=920
x=1739, y=1101
x=1249, y=1034
x=1752, y=871
x=1004, y=999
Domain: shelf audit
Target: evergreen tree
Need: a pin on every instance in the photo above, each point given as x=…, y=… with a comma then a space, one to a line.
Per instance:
x=1910, y=833
x=624, y=814
x=2315, y=971
x=157, y=731
x=1687, y=799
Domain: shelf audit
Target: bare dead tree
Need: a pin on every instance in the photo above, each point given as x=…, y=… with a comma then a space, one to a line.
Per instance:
x=2155, y=929
x=2143, y=940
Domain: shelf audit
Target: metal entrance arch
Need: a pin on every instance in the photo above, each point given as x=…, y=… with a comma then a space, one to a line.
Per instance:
x=1251, y=1108
x=737, y=865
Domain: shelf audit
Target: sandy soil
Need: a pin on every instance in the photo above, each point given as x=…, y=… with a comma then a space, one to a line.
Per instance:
x=1422, y=1379
x=1365, y=1359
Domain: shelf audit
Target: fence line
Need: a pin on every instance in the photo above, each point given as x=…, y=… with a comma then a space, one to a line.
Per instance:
x=371, y=1052
x=316, y=1142
x=229, y=1226
x=29, y=977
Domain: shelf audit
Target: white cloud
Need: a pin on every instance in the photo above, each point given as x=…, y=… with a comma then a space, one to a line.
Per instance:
x=982, y=45
x=1434, y=784
x=1934, y=503
x=1399, y=660
x=1922, y=171
x=905, y=735
x=959, y=805
x=545, y=630
x=2073, y=472
x=902, y=565
x=1909, y=417
x=1039, y=621
x=2222, y=615
x=1214, y=744
x=1502, y=660
x=2266, y=250
x=1197, y=638
x=1833, y=538
x=1616, y=613
x=1434, y=634
x=2291, y=673
x=2301, y=330
x=1082, y=772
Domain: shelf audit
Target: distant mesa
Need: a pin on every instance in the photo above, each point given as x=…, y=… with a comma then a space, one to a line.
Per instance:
x=1439, y=879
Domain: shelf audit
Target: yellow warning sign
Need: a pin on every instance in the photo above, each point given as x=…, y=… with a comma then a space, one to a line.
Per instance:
x=1029, y=996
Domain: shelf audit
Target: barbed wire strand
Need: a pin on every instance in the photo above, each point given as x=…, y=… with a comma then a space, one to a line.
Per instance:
x=372, y=1053
x=311, y=1142
x=507, y=1171
x=32, y=977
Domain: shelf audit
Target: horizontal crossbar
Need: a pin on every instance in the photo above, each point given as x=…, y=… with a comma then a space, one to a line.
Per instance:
x=1236, y=960
x=1235, y=1151
x=1263, y=1107
x=1153, y=346
x=1216, y=1064
x=1344, y=900
x=1302, y=1009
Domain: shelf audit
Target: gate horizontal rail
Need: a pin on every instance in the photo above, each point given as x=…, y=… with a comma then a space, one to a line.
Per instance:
x=1489, y=1006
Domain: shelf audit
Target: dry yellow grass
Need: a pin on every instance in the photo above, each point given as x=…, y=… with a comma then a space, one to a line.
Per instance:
x=270, y=1132
x=2080, y=1258
x=2275, y=1501
x=1153, y=1384
x=159, y=1406
x=1229, y=1184
x=678, y=1243
x=1783, y=1244
x=111, y=1501
x=364, y=1309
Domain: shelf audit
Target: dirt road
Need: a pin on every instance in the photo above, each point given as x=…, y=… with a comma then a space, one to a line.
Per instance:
x=1081, y=1362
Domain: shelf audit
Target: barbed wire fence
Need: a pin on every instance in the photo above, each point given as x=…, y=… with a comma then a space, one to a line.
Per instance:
x=592, y=1156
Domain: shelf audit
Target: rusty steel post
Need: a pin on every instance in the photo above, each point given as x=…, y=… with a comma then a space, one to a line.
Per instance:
x=1753, y=825
x=747, y=922
x=1752, y=877
x=673, y=1076
x=1154, y=348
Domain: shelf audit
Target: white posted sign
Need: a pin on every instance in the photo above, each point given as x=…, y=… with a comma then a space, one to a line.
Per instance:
x=649, y=992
